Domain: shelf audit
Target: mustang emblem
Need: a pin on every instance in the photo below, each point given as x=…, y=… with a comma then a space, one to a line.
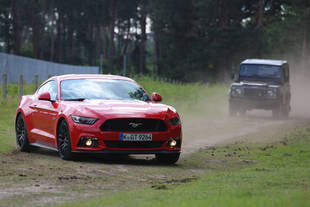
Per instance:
x=134, y=125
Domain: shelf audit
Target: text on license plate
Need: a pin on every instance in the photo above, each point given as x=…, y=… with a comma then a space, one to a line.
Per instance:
x=136, y=137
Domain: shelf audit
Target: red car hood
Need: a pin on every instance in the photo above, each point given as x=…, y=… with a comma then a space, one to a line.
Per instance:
x=121, y=109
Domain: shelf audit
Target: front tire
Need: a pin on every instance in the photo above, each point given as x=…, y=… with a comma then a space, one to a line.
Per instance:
x=22, y=141
x=64, y=141
x=168, y=158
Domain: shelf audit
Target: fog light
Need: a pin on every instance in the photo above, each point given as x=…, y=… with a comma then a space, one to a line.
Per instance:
x=173, y=143
x=89, y=142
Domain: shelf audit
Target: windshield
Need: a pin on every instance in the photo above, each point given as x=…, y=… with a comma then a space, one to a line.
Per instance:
x=101, y=89
x=259, y=72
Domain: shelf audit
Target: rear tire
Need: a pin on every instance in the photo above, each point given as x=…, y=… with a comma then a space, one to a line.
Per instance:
x=64, y=141
x=22, y=141
x=168, y=158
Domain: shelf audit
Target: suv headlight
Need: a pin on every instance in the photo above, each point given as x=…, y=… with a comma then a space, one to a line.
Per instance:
x=236, y=91
x=83, y=120
x=272, y=92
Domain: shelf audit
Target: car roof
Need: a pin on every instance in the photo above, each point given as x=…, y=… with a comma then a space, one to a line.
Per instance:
x=89, y=76
x=264, y=62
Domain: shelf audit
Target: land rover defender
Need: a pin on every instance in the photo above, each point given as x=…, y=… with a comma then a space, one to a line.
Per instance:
x=261, y=84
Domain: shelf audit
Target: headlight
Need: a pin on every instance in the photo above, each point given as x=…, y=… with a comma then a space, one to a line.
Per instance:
x=83, y=120
x=236, y=91
x=272, y=92
x=175, y=121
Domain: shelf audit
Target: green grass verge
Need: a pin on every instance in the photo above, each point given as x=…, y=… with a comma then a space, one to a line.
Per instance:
x=7, y=118
x=274, y=175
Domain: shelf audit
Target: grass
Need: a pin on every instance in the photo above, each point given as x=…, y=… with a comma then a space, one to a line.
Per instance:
x=274, y=175
x=7, y=111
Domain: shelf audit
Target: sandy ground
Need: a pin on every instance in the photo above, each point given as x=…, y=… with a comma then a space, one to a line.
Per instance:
x=41, y=177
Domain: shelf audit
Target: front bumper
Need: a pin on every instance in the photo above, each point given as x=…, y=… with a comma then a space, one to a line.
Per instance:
x=78, y=131
x=253, y=103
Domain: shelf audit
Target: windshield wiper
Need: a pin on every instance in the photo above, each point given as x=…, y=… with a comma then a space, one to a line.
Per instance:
x=75, y=99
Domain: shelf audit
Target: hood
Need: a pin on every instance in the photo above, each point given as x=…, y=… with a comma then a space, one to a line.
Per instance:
x=121, y=109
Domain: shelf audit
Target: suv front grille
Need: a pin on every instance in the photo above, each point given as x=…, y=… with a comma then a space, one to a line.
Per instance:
x=134, y=125
x=254, y=92
x=133, y=144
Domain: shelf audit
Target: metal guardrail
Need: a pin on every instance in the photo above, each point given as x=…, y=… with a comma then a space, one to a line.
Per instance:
x=14, y=66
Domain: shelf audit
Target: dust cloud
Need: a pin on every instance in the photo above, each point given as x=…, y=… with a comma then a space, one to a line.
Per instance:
x=202, y=129
x=300, y=90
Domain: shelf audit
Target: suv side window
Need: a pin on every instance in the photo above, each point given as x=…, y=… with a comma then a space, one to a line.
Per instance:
x=50, y=87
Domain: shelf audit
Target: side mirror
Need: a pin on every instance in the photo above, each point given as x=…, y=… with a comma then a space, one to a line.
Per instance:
x=156, y=97
x=232, y=76
x=45, y=96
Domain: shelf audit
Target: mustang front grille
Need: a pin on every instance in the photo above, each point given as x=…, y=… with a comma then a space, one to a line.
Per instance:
x=134, y=125
x=135, y=144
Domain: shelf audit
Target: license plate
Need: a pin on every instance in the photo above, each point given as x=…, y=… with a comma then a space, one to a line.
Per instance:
x=136, y=137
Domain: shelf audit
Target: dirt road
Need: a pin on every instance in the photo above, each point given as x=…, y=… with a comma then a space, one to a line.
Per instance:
x=41, y=177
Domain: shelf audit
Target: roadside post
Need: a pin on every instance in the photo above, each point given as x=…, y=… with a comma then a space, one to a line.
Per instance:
x=21, y=84
x=36, y=82
x=4, y=86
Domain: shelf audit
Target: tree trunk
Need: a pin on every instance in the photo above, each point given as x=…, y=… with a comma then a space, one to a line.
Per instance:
x=157, y=55
x=7, y=38
x=52, y=13
x=90, y=42
x=17, y=28
x=60, y=54
x=36, y=32
x=260, y=14
x=119, y=46
x=143, y=37
x=98, y=41
x=111, y=30
x=126, y=38
x=105, y=43
x=224, y=14
x=70, y=48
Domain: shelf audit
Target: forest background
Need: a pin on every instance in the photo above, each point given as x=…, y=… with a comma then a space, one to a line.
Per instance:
x=186, y=40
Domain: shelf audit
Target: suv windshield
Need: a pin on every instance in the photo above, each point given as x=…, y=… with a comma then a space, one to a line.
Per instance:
x=101, y=89
x=259, y=72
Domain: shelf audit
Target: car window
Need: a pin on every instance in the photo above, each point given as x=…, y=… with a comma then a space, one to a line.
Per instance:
x=102, y=89
x=50, y=87
x=262, y=71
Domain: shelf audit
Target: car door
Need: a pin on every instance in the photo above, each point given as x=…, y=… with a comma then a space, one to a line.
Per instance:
x=44, y=115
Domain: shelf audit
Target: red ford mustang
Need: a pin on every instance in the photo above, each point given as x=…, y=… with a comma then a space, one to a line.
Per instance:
x=98, y=114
